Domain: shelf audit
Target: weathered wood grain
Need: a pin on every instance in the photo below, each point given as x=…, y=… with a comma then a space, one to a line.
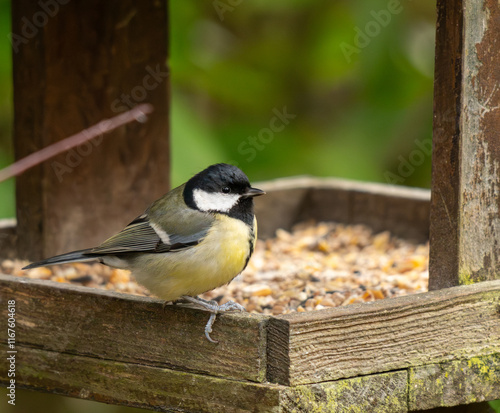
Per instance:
x=403, y=211
x=479, y=255
x=73, y=320
x=376, y=393
x=162, y=389
x=443, y=259
x=125, y=349
x=385, y=335
x=137, y=385
x=465, y=223
x=89, y=61
x=454, y=383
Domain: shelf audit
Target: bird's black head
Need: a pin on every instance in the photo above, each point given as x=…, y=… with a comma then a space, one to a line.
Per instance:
x=224, y=189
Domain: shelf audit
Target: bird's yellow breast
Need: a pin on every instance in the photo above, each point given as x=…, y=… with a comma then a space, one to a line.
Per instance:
x=215, y=261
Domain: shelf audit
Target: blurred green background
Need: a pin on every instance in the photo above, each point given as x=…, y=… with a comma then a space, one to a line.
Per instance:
x=360, y=100
x=6, y=155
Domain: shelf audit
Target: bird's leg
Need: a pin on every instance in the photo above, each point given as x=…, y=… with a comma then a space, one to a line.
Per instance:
x=213, y=308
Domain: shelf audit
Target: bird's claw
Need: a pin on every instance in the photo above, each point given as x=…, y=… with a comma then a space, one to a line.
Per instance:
x=214, y=309
x=231, y=306
x=208, y=328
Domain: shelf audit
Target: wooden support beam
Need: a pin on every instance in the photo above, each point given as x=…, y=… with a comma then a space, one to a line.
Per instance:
x=465, y=203
x=75, y=63
x=94, y=344
x=139, y=385
x=63, y=318
x=163, y=389
x=292, y=349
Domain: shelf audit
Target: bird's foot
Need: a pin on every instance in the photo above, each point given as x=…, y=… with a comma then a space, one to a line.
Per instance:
x=214, y=308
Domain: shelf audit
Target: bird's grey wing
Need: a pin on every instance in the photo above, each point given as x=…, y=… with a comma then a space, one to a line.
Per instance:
x=143, y=236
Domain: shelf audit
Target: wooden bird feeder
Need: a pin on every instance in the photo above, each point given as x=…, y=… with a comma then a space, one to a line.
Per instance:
x=412, y=353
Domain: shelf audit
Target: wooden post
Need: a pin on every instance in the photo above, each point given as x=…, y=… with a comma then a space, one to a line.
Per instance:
x=465, y=202
x=75, y=63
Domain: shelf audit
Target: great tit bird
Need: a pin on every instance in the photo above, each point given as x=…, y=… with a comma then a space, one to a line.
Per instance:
x=195, y=238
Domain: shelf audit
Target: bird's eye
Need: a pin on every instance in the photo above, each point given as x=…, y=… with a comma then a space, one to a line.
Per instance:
x=226, y=190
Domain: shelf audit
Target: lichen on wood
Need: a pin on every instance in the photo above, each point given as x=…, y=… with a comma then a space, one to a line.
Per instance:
x=454, y=383
x=382, y=393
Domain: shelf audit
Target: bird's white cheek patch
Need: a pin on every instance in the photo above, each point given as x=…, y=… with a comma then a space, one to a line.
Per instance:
x=214, y=201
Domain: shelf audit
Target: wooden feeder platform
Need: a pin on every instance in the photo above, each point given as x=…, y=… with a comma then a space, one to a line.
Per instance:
x=416, y=352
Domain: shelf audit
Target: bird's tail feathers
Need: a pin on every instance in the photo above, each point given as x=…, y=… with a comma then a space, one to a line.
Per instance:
x=75, y=256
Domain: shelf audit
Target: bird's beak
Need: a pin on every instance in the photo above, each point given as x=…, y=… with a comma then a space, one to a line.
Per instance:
x=251, y=192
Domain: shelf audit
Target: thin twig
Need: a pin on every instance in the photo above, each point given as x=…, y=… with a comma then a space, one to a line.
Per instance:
x=138, y=114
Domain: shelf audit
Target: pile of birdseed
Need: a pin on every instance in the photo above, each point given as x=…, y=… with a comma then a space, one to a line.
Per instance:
x=314, y=266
